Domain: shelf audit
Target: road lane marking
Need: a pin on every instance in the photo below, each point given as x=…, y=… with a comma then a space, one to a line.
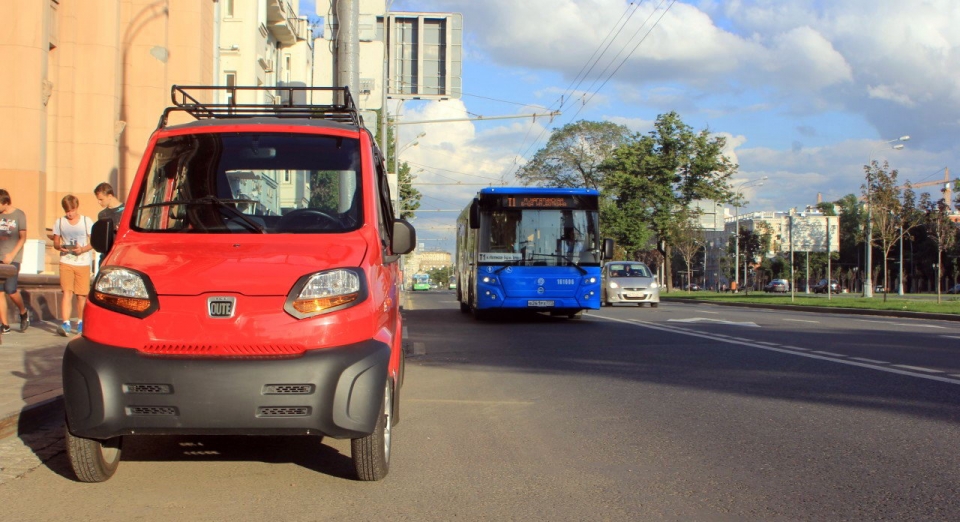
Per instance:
x=768, y=344
x=951, y=336
x=797, y=348
x=829, y=353
x=709, y=320
x=874, y=361
x=910, y=371
x=917, y=368
x=802, y=321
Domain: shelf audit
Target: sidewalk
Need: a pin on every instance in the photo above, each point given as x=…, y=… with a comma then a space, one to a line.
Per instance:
x=30, y=382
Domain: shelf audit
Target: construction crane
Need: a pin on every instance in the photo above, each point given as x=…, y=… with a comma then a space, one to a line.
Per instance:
x=946, y=182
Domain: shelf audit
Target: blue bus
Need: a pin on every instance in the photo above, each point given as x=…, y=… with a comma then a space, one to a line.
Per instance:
x=535, y=249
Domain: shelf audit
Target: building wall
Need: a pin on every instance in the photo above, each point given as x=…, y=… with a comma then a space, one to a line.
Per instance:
x=92, y=78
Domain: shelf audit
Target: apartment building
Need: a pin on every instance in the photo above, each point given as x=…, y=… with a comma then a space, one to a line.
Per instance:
x=89, y=78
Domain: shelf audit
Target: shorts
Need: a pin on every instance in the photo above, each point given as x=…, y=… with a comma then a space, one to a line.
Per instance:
x=10, y=284
x=75, y=279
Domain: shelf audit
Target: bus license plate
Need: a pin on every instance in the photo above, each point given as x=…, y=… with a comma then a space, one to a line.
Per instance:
x=539, y=303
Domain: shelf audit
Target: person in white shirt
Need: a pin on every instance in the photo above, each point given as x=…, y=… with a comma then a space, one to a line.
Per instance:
x=71, y=237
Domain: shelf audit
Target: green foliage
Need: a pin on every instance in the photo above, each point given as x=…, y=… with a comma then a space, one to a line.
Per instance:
x=573, y=155
x=441, y=275
x=651, y=176
x=409, y=196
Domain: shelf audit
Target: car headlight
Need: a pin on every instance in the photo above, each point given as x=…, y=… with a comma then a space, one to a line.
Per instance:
x=654, y=285
x=125, y=291
x=325, y=292
x=613, y=284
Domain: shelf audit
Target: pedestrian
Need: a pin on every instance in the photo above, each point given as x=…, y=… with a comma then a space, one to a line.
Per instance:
x=112, y=207
x=13, y=235
x=112, y=210
x=71, y=237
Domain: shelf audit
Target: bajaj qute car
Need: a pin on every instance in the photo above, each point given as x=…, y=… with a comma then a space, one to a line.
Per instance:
x=251, y=288
x=629, y=282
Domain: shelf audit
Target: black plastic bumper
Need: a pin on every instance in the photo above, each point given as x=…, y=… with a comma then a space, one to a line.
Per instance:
x=110, y=391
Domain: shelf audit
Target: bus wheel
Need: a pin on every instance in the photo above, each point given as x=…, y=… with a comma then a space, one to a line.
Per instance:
x=371, y=454
x=93, y=460
x=576, y=316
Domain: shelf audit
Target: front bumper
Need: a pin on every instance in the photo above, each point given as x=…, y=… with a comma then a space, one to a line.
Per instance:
x=110, y=391
x=623, y=295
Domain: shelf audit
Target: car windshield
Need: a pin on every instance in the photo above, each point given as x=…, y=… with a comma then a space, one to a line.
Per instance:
x=628, y=270
x=243, y=183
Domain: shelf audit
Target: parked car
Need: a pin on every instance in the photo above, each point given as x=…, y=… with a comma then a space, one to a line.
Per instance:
x=217, y=311
x=777, y=285
x=823, y=285
x=693, y=287
x=629, y=282
x=954, y=290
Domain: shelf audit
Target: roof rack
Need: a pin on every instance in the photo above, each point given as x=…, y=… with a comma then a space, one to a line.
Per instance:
x=285, y=104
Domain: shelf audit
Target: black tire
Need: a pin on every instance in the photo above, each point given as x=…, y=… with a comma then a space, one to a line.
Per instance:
x=654, y=305
x=371, y=454
x=93, y=460
x=480, y=315
x=576, y=316
x=464, y=307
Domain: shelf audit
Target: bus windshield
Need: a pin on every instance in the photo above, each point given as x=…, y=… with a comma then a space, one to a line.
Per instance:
x=539, y=237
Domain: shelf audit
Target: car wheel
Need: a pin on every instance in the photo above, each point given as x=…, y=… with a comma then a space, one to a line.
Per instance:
x=654, y=305
x=371, y=454
x=93, y=460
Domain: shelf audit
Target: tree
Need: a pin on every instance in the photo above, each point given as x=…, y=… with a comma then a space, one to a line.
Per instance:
x=940, y=229
x=441, y=275
x=688, y=239
x=409, y=196
x=894, y=210
x=653, y=175
x=573, y=155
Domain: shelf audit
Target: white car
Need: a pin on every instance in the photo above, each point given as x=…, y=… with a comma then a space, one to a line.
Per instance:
x=629, y=282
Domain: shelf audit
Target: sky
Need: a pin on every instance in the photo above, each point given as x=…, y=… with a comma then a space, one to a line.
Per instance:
x=805, y=91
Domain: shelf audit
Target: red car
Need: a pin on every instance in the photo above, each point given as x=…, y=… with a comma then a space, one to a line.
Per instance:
x=251, y=288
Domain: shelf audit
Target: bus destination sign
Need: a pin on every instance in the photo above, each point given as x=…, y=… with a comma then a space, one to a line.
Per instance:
x=538, y=202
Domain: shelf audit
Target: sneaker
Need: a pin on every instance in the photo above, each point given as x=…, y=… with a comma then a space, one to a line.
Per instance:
x=64, y=329
x=4, y=329
x=79, y=327
x=24, y=321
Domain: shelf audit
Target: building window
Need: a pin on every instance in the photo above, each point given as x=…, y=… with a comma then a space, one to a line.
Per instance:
x=228, y=8
x=230, y=80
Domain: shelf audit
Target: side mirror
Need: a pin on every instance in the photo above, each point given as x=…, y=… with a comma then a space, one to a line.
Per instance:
x=608, y=248
x=404, y=237
x=475, y=214
x=102, y=235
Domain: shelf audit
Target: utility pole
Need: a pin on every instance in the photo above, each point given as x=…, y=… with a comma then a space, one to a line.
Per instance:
x=348, y=45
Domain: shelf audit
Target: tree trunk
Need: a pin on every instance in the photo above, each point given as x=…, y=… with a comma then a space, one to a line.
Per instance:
x=667, y=272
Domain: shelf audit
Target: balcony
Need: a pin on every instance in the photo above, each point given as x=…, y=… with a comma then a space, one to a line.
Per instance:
x=283, y=23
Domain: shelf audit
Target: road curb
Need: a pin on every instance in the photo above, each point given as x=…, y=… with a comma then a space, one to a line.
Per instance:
x=31, y=417
x=822, y=309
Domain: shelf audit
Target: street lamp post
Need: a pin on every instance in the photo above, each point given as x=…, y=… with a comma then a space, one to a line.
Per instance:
x=868, y=271
x=736, y=255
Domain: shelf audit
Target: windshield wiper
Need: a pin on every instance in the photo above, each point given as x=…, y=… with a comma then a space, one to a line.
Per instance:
x=213, y=200
x=567, y=259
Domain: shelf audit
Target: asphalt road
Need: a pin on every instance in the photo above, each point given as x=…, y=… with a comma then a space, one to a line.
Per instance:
x=686, y=411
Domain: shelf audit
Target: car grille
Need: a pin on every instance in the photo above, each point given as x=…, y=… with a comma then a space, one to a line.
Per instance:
x=223, y=350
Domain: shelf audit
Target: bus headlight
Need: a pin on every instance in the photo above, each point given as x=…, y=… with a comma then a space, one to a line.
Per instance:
x=490, y=280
